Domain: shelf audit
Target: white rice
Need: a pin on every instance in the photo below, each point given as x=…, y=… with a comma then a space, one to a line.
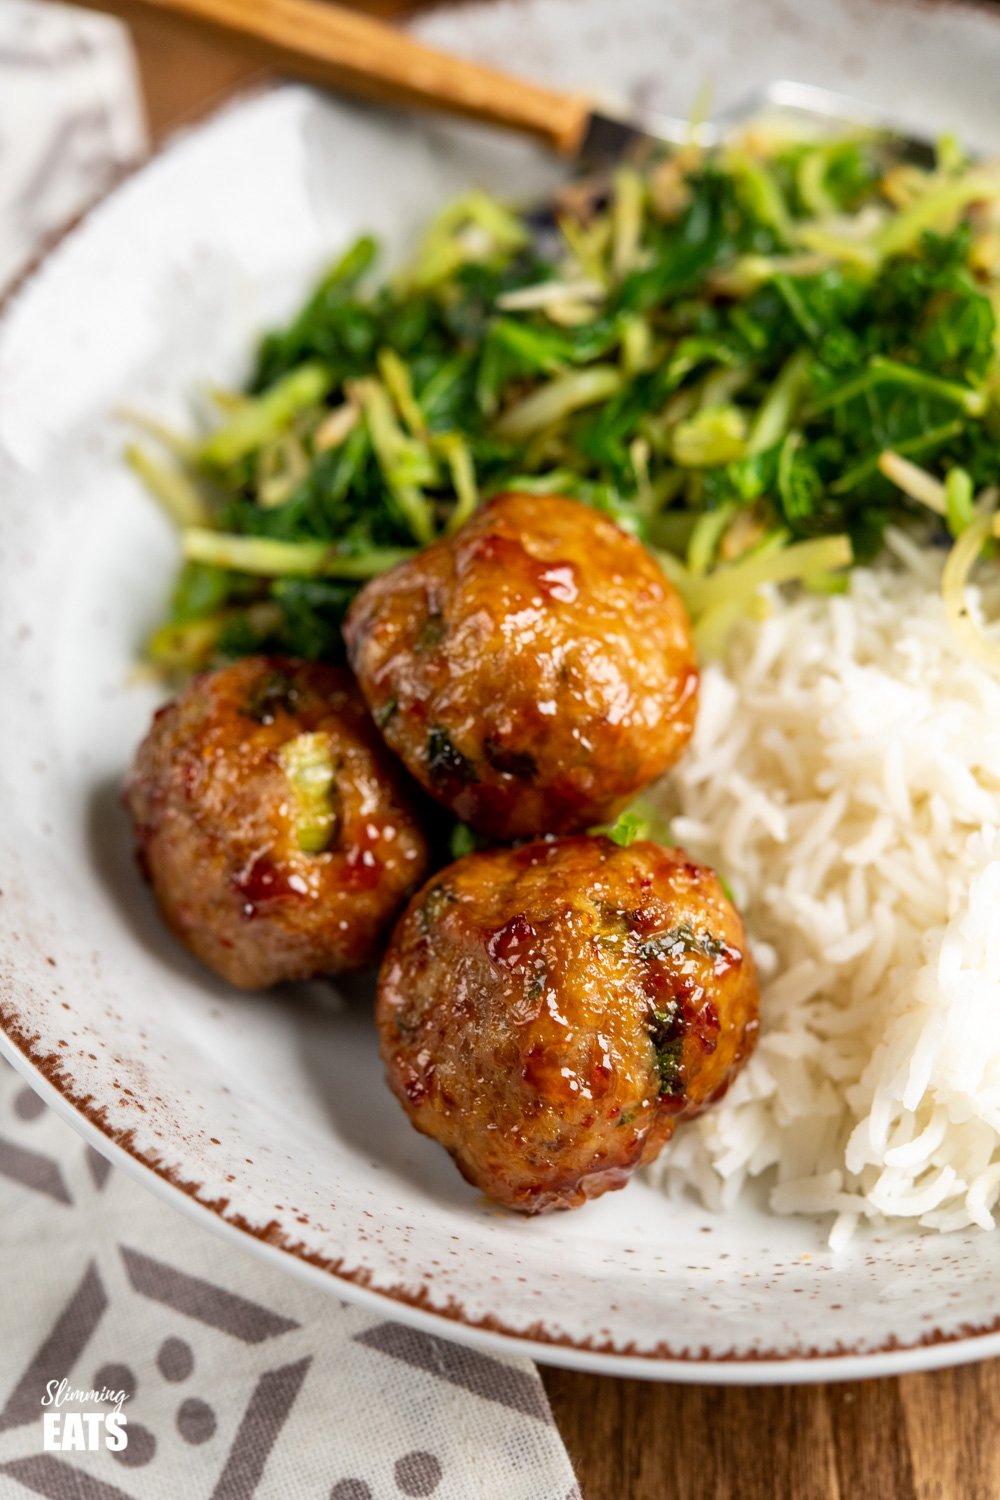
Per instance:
x=845, y=779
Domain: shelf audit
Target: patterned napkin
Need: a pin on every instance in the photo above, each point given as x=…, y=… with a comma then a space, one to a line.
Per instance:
x=70, y=120
x=238, y=1380
x=234, y=1379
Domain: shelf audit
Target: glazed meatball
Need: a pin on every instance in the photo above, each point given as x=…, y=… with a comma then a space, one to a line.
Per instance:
x=534, y=672
x=549, y=1013
x=279, y=838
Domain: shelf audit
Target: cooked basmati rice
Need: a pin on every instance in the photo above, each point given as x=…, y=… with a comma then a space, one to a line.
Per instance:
x=845, y=779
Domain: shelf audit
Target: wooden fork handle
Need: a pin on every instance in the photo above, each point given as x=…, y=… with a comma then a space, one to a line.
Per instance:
x=363, y=56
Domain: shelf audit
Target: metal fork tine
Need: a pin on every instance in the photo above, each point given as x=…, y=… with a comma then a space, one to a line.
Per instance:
x=612, y=135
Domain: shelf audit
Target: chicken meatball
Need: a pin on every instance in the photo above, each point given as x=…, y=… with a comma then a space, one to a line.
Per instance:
x=549, y=1013
x=280, y=840
x=534, y=672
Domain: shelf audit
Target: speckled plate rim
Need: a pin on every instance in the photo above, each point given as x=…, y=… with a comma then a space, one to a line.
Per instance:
x=936, y=1350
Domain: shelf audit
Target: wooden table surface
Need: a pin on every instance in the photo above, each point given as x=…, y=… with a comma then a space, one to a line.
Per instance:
x=929, y=1437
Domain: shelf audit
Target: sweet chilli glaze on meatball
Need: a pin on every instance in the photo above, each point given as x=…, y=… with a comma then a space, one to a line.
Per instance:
x=533, y=672
x=279, y=836
x=550, y=1013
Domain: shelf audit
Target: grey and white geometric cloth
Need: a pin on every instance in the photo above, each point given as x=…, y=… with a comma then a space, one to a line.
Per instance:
x=239, y=1380
x=70, y=120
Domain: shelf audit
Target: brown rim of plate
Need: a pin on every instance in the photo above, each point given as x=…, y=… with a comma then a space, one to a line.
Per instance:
x=95, y=1116
x=51, y=1065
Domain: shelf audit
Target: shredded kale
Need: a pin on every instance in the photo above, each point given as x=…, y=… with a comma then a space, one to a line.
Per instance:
x=718, y=352
x=626, y=830
x=463, y=840
x=642, y=819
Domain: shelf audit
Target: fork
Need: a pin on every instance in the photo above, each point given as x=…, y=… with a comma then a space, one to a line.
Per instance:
x=366, y=57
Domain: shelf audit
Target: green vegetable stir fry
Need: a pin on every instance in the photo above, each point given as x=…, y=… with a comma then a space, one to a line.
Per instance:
x=756, y=359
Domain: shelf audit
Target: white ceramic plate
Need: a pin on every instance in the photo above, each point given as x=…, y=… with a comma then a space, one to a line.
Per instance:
x=268, y=1116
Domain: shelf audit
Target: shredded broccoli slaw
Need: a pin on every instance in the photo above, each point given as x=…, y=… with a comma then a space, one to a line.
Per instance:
x=754, y=358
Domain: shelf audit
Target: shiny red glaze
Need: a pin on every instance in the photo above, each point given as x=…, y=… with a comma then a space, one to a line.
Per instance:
x=516, y=1011
x=510, y=943
x=214, y=816
x=557, y=677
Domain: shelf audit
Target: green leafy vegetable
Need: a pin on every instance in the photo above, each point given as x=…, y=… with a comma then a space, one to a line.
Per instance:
x=642, y=819
x=754, y=359
x=959, y=509
x=464, y=840
x=626, y=830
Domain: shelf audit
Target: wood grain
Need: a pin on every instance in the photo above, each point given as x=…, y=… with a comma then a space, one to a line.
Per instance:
x=920, y=1437
x=362, y=55
x=185, y=71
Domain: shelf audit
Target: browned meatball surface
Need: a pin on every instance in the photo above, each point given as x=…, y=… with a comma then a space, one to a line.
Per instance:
x=276, y=831
x=549, y=1013
x=534, y=672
